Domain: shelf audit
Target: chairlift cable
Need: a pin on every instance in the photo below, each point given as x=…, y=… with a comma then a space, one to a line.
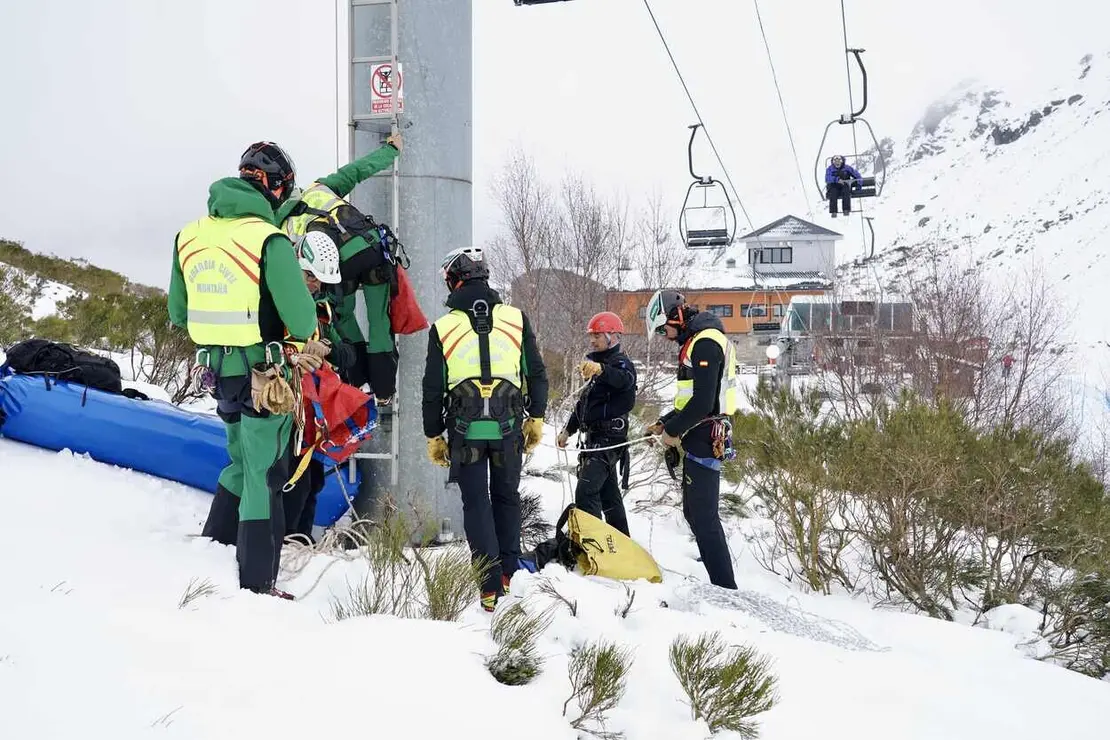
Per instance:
x=848, y=74
x=855, y=143
x=713, y=146
x=697, y=113
x=782, y=107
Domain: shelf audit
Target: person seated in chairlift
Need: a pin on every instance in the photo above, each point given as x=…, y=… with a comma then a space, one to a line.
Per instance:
x=840, y=180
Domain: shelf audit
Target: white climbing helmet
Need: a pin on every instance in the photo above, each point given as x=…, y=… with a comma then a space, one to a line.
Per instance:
x=317, y=254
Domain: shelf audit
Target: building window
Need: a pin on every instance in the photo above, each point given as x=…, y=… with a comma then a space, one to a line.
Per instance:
x=753, y=310
x=721, y=310
x=730, y=262
x=777, y=310
x=642, y=312
x=771, y=256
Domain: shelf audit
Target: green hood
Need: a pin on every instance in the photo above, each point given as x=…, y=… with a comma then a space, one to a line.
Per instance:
x=235, y=198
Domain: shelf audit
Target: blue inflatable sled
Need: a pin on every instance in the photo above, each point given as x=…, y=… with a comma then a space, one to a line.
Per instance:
x=150, y=436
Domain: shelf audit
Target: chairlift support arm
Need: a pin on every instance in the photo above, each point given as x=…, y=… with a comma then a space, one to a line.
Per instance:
x=851, y=117
x=690, y=155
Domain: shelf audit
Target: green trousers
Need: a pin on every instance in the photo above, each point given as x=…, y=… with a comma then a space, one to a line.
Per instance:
x=247, y=508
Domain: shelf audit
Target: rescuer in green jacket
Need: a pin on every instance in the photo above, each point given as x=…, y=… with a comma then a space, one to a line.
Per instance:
x=237, y=288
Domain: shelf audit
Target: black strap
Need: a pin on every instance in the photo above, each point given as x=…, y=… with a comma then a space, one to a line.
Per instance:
x=483, y=325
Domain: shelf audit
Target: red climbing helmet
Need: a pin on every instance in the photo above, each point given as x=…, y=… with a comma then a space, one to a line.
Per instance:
x=605, y=322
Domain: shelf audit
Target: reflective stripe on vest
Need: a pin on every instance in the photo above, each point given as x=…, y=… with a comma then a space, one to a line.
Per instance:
x=318, y=197
x=728, y=397
x=461, y=352
x=221, y=260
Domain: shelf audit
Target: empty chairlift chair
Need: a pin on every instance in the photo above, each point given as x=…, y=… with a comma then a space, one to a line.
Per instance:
x=707, y=221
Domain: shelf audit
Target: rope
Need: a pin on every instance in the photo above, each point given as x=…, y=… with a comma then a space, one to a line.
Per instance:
x=782, y=107
x=638, y=440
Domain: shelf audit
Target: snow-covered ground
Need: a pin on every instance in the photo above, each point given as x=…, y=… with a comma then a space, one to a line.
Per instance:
x=92, y=642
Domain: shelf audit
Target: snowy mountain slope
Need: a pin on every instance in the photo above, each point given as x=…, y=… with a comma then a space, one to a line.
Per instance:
x=1017, y=183
x=94, y=570
x=41, y=295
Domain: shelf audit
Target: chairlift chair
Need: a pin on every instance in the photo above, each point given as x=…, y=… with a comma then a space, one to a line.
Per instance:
x=712, y=224
x=866, y=187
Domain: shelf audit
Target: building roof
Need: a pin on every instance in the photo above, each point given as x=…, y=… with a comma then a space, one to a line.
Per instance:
x=788, y=227
x=741, y=278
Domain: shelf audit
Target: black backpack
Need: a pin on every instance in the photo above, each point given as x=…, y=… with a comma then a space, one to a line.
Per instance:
x=64, y=362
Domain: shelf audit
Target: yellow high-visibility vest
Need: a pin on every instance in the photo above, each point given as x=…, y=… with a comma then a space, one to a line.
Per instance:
x=221, y=261
x=461, y=347
x=317, y=196
x=728, y=396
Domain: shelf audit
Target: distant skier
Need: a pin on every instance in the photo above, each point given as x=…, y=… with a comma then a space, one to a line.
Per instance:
x=840, y=180
x=1007, y=365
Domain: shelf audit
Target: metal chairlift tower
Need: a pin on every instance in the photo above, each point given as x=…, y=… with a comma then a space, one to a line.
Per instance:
x=409, y=69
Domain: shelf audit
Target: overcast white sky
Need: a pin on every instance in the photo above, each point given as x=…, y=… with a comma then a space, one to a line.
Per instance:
x=117, y=114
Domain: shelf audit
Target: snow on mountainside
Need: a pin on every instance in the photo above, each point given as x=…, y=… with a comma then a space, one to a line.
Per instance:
x=1012, y=183
x=41, y=295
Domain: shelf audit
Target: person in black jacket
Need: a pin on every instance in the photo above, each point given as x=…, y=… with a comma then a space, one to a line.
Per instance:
x=485, y=385
x=704, y=398
x=601, y=414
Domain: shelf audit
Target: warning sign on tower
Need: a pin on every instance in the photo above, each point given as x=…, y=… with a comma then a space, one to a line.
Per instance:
x=382, y=80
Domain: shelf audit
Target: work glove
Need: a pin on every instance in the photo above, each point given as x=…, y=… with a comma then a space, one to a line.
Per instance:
x=319, y=347
x=305, y=362
x=656, y=428
x=271, y=392
x=394, y=140
x=670, y=441
x=561, y=441
x=589, y=368
x=533, y=433
x=438, y=453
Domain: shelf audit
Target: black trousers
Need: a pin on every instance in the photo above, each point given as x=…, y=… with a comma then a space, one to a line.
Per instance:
x=300, y=503
x=598, y=491
x=701, y=495
x=489, y=479
x=378, y=369
x=841, y=191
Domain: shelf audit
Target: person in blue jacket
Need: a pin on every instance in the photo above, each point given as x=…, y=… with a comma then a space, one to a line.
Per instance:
x=840, y=180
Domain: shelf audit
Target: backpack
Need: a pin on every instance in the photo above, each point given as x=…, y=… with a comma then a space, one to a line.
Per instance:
x=337, y=418
x=595, y=548
x=62, y=361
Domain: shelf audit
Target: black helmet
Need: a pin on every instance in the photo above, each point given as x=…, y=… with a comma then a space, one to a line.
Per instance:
x=462, y=264
x=666, y=307
x=266, y=164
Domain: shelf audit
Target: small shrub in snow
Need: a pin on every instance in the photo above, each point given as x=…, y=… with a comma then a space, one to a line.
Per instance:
x=1076, y=624
x=451, y=581
x=598, y=675
x=197, y=589
x=784, y=446
x=517, y=633
x=725, y=686
x=392, y=582
x=626, y=606
x=547, y=588
x=534, y=529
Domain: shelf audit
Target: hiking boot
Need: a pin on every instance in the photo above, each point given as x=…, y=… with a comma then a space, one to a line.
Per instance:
x=282, y=594
x=489, y=600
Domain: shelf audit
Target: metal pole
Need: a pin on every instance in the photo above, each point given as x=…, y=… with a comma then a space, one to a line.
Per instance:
x=431, y=214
